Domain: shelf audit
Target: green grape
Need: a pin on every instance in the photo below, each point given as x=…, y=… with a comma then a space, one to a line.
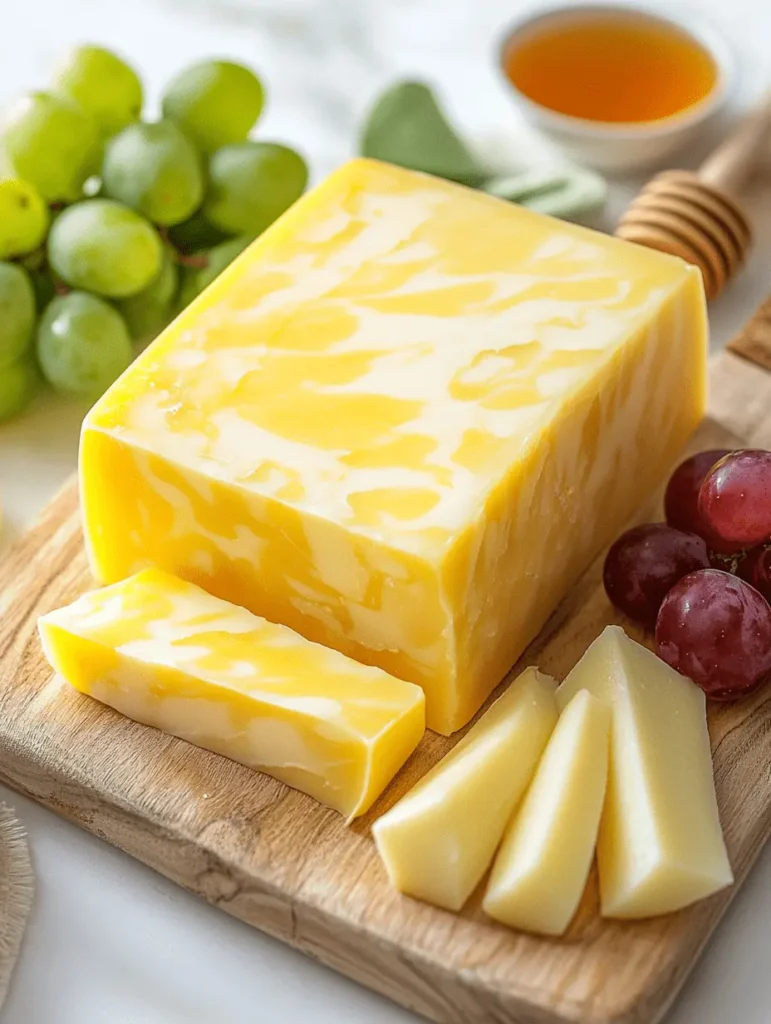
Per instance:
x=251, y=184
x=83, y=344
x=18, y=382
x=104, y=247
x=102, y=84
x=195, y=235
x=214, y=103
x=51, y=143
x=150, y=310
x=195, y=279
x=23, y=218
x=155, y=170
x=17, y=312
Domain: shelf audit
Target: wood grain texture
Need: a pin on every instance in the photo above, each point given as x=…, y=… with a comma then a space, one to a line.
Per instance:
x=274, y=858
x=754, y=342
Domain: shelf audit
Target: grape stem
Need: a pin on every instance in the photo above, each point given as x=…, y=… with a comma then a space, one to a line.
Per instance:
x=61, y=288
x=198, y=261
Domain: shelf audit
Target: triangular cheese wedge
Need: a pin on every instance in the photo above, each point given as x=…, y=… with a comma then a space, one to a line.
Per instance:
x=660, y=845
x=541, y=869
x=439, y=840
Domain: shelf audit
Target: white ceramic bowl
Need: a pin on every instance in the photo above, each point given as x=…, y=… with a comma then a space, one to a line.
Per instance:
x=620, y=147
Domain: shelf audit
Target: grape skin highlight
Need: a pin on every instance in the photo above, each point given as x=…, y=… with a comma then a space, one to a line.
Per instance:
x=645, y=563
x=214, y=103
x=251, y=184
x=716, y=629
x=103, y=85
x=104, y=247
x=735, y=498
x=83, y=344
x=23, y=218
x=155, y=170
x=51, y=143
x=682, y=494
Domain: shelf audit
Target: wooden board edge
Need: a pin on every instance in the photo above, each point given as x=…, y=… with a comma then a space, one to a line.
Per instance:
x=753, y=342
x=410, y=981
x=416, y=984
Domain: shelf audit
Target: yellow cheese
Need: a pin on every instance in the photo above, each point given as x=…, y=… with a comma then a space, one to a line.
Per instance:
x=439, y=840
x=660, y=846
x=541, y=869
x=402, y=423
x=167, y=654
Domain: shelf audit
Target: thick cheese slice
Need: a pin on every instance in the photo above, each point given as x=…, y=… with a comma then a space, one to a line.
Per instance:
x=167, y=654
x=541, y=869
x=402, y=423
x=660, y=845
x=439, y=840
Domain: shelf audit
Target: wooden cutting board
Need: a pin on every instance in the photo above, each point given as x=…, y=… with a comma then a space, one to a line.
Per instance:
x=278, y=860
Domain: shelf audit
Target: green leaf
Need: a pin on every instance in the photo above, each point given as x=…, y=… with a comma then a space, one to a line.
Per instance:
x=567, y=192
x=407, y=127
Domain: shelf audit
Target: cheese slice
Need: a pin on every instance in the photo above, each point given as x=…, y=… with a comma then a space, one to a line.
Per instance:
x=169, y=655
x=402, y=423
x=439, y=840
x=660, y=846
x=543, y=864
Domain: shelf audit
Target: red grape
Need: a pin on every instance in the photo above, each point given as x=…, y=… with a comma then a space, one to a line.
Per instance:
x=681, y=498
x=645, y=563
x=756, y=569
x=735, y=498
x=716, y=629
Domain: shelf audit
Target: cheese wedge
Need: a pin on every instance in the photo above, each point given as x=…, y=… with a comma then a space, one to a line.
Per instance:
x=660, y=845
x=439, y=840
x=543, y=864
x=167, y=654
x=402, y=423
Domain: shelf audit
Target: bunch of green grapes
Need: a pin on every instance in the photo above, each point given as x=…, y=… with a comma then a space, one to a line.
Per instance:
x=111, y=224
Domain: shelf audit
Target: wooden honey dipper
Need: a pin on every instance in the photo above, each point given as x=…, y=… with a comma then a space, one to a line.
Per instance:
x=696, y=214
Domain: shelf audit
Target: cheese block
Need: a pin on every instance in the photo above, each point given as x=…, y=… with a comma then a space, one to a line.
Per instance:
x=660, y=845
x=402, y=423
x=439, y=840
x=167, y=654
x=541, y=869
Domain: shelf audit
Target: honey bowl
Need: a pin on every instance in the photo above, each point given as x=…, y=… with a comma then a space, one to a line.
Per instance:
x=617, y=87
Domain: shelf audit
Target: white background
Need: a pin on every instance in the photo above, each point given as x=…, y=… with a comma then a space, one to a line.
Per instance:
x=109, y=940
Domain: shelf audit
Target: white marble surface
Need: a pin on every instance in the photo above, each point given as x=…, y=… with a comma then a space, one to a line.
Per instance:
x=110, y=940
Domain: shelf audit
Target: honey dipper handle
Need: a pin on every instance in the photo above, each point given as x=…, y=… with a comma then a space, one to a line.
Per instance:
x=731, y=164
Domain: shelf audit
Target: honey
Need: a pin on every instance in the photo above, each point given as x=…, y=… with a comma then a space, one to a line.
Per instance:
x=620, y=68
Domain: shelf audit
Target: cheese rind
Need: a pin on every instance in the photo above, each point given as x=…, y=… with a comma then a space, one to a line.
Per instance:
x=541, y=869
x=660, y=846
x=402, y=423
x=167, y=654
x=439, y=839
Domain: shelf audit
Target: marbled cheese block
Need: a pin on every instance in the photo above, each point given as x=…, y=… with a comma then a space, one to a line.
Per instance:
x=402, y=423
x=167, y=654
